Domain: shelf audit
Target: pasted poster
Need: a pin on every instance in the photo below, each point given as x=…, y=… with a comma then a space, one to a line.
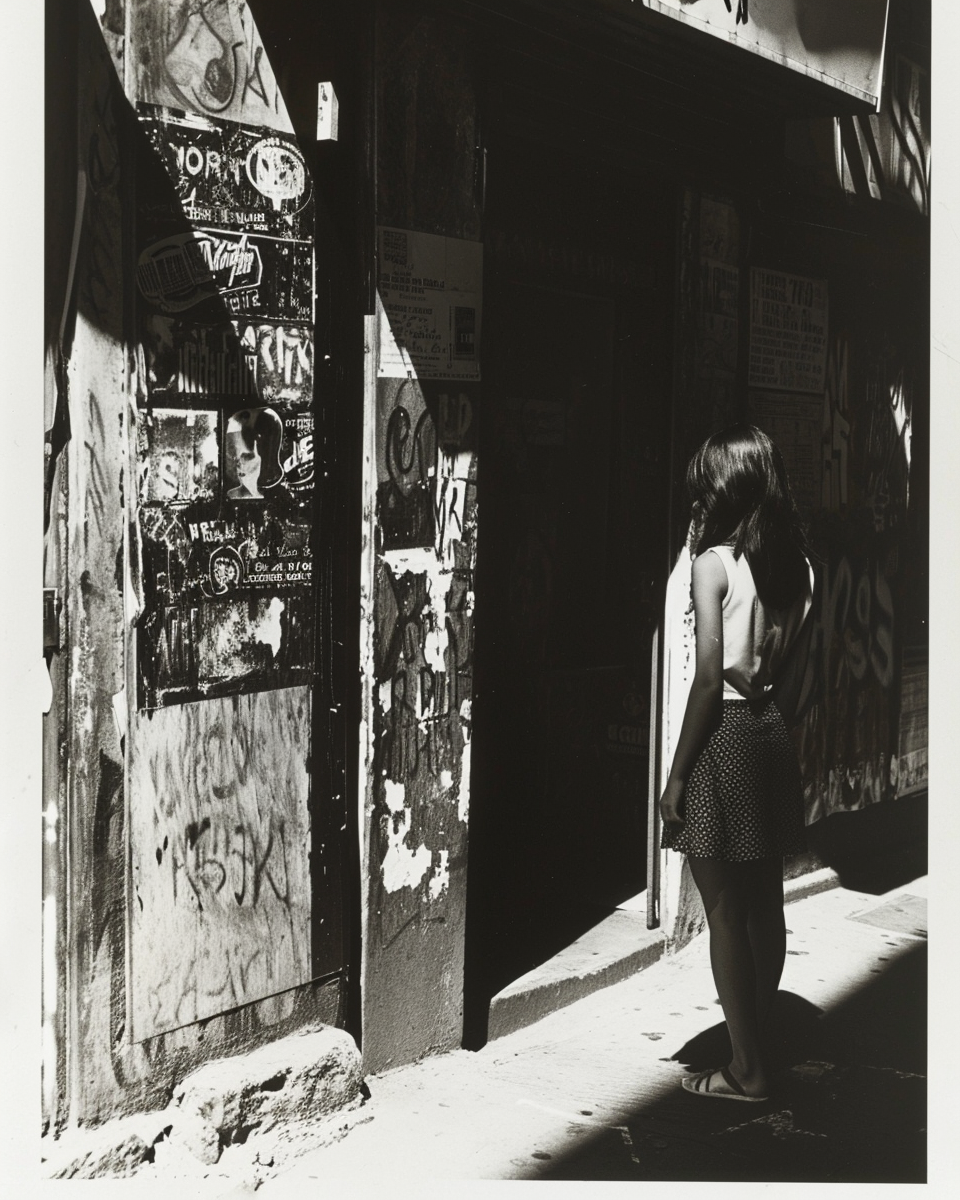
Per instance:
x=269, y=359
x=430, y=289
x=204, y=56
x=225, y=430
x=795, y=424
x=717, y=318
x=788, y=331
x=212, y=270
x=231, y=176
x=225, y=219
x=226, y=557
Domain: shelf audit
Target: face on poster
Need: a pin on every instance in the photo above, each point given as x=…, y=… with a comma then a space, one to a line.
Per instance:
x=253, y=438
x=261, y=450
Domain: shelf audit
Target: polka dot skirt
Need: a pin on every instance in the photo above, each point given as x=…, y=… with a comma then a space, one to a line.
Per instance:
x=744, y=797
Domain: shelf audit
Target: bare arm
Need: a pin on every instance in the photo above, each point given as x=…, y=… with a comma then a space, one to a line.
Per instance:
x=704, y=704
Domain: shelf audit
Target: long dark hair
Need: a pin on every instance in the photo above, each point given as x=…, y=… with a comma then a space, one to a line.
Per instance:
x=741, y=497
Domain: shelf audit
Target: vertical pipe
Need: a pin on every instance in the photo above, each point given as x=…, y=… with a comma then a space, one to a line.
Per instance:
x=653, y=788
x=52, y=1048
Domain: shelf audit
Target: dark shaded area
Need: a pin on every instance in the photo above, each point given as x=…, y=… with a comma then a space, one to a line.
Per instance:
x=572, y=558
x=877, y=848
x=528, y=926
x=848, y=1103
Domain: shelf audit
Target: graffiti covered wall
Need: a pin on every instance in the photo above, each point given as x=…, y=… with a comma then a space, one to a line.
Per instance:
x=420, y=514
x=220, y=880
x=223, y=565
x=179, y=494
x=850, y=739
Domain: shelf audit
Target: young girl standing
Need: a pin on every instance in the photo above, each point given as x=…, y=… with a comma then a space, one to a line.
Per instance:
x=733, y=801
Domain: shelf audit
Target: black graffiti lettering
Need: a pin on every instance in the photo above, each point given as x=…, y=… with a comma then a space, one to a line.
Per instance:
x=254, y=82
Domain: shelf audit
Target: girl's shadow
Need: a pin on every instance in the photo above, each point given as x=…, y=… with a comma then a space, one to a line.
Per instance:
x=881, y=1024
x=798, y=1033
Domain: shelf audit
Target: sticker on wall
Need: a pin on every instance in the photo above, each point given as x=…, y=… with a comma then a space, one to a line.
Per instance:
x=242, y=273
x=230, y=175
x=252, y=441
x=210, y=585
x=225, y=571
x=173, y=273
x=298, y=452
x=277, y=171
x=282, y=359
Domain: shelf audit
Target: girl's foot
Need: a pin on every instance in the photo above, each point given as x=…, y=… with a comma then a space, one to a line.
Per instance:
x=723, y=1085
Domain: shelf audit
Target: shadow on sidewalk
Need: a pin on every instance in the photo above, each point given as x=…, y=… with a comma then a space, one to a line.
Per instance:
x=877, y=848
x=848, y=1104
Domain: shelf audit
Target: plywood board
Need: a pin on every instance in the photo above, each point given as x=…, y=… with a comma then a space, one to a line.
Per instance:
x=220, y=869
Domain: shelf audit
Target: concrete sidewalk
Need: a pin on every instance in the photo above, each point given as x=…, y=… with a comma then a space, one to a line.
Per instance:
x=592, y=1091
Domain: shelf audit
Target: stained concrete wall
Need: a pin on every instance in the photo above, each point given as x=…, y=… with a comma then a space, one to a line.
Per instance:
x=420, y=519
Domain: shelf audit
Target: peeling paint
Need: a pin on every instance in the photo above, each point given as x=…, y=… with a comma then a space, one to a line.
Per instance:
x=401, y=867
x=435, y=644
x=463, y=793
x=270, y=633
x=441, y=877
x=424, y=561
x=119, y=701
x=421, y=560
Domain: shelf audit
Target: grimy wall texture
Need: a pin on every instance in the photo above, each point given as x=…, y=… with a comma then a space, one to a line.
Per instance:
x=420, y=500
x=179, y=536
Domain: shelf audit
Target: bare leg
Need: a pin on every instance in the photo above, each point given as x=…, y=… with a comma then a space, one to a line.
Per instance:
x=728, y=891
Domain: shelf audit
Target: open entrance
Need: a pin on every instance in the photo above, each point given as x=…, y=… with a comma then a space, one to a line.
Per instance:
x=573, y=466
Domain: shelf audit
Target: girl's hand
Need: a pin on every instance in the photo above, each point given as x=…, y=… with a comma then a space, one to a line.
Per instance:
x=671, y=804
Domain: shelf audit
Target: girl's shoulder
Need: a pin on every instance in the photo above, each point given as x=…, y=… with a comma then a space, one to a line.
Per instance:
x=722, y=554
x=711, y=572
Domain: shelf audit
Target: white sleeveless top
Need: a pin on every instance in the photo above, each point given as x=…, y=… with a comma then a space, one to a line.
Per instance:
x=755, y=638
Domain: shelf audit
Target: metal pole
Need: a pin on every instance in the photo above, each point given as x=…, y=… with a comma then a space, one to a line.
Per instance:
x=653, y=789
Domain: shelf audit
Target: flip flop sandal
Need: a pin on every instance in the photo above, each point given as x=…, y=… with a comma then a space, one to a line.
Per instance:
x=699, y=1085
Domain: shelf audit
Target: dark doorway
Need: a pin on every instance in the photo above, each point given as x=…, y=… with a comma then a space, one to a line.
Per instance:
x=574, y=437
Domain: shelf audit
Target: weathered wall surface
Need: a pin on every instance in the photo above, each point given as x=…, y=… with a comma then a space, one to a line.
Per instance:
x=183, y=808
x=868, y=653
x=220, y=878
x=420, y=505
